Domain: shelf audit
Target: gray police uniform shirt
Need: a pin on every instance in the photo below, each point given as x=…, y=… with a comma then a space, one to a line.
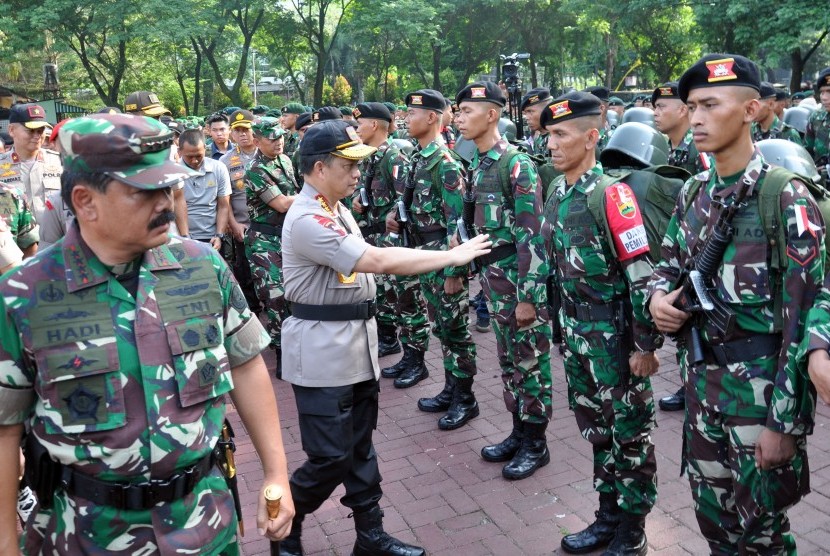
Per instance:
x=35, y=180
x=320, y=248
x=237, y=161
x=202, y=194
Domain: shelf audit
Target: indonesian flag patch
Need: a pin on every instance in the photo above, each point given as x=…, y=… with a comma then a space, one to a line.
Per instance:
x=802, y=222
x=721, y=70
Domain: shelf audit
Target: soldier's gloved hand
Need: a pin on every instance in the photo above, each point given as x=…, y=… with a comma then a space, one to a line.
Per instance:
x=819, y=368
x=392, y=225
x=773, y=449
x=667, y=317
x=643, y=363
x=357, y=206
x=525, y=314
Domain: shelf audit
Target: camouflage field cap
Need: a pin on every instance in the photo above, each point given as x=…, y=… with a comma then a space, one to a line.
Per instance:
x=128, y=148
x=269, y=128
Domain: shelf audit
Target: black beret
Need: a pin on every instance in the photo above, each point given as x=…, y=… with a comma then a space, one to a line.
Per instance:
x=767, y=90
x=601, y=93
x=109, y=110
x=482, y=91
x=666, y=90
x=373, y=110
x=534, y=96
x=428, y=99
x=303, y=120
x=823, y=79
x=781, y=94
x=326, y=113
x=718, y=70
x=569, y=106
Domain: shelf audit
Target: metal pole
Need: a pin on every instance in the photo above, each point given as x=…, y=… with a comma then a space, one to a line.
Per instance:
x=253, y=63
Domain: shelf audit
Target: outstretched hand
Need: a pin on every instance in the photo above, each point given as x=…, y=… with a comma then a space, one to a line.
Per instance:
x=476, y=247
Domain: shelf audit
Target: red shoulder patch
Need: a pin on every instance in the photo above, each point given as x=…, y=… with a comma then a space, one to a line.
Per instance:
x=326, y=222
x=625, y=222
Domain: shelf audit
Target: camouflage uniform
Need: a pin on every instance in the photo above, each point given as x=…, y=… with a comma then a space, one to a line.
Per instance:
x=15, y=211
x=124, y=388
x=538, y=145
x=292, y=142
x=730, y=403
x=389, y=177
x=776, y=131
x=265, y=180
x=436, y=207
x=515, y=217
x=686, y=156
x=817, y=138
x=604, y=136
x=614, y=409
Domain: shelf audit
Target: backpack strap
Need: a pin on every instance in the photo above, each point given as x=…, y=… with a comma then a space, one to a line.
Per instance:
x=597, y=207
x=505, y=165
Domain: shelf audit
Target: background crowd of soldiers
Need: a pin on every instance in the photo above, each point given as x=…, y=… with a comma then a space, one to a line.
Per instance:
x=564, y=269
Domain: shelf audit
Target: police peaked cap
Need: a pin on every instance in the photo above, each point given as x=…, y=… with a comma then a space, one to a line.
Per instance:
x=666, y=90
x=428, y=99
x=483, y=91
x=823, y=79
x=569, y=106
x=601, y=93
x=720, y=70
x=534, y=96
x=372, y=110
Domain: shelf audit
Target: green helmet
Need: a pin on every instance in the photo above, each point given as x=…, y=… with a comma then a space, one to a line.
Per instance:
x=613, y=118
x=797, y=118
x=791, y=156
x=507, y=129
x=639, y=114
x=405, y=146
x=637, y=145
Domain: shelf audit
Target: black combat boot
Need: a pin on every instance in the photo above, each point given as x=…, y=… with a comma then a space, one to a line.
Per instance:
x=442, y=401
x=507, y=448
x=463, y=406
x=395, y=370
x=630, y=539
x=388, y=343
x=372, y=540
x=532, y=454
x=600, y=532
x=278, y=366
x=675, y=402
x=291, y=545
x=414, y=372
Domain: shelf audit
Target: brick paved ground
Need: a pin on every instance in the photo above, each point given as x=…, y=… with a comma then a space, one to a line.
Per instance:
x=440, y=494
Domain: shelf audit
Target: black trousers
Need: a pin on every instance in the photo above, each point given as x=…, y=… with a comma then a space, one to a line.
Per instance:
x=336, y=425
x=234, y=253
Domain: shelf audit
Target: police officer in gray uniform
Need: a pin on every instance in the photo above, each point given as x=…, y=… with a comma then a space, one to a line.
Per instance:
x=330, y=341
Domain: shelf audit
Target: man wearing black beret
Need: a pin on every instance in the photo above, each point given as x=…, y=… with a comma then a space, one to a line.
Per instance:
x=605, y=132
x=594, y=231
x=301, y=124
x=782, y=102
x=532, y=105
x=381, y=175
x=766, y=124
x=817, y=138
x=507, y=197
x=671, y=117
x=749, y=406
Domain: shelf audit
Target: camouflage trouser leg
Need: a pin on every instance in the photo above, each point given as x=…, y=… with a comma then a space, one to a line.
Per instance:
x=450, y=323
x=411, y=312
x=265, y=257
x=617, y=419
x=727, y=487
x=524, y=358
x=385, y=299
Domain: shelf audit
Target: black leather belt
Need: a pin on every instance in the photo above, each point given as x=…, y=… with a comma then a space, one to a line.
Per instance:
x=745, y=349
x=267, y=229
x=355, y=311
x=424, y=237
x=497, y=253
x=589, y=312
x=138, y=496
x=372, y=229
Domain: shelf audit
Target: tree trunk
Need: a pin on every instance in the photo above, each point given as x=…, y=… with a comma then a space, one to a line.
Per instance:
x=534, y=74
x=436, y=67
x=797, y=65
x=197, y=90
x=319, y=76
x=610, y=61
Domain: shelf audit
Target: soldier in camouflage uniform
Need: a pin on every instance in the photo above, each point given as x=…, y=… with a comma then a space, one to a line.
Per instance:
x=434, y=183
x=116, y=349
x=817, y=138
x=508, y=207
x=270, y=190
x=766, y=124
x=10, y=253
x=18, y=220
x=747, y=409
x=301, y=125
x=532, y=105
x=386, y=169
x=605, y=131
x=601, y=267
x=288, y=120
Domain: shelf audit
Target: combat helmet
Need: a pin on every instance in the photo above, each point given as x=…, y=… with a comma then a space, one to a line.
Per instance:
x=789, y=155
x=635, y=144
x=797, y=118
x=639, y=114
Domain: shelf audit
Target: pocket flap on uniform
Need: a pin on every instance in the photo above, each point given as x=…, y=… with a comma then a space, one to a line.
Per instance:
x=72, y=361
x=194, y=334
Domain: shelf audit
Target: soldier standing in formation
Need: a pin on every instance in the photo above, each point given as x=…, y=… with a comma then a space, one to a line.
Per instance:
x=117, y=347
x=508, y=207
x=766, y=124
x=817, y=139
x=532, y=105
x=748, y=410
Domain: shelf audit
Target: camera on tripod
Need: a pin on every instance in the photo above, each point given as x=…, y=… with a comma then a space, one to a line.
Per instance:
x=510, y=69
